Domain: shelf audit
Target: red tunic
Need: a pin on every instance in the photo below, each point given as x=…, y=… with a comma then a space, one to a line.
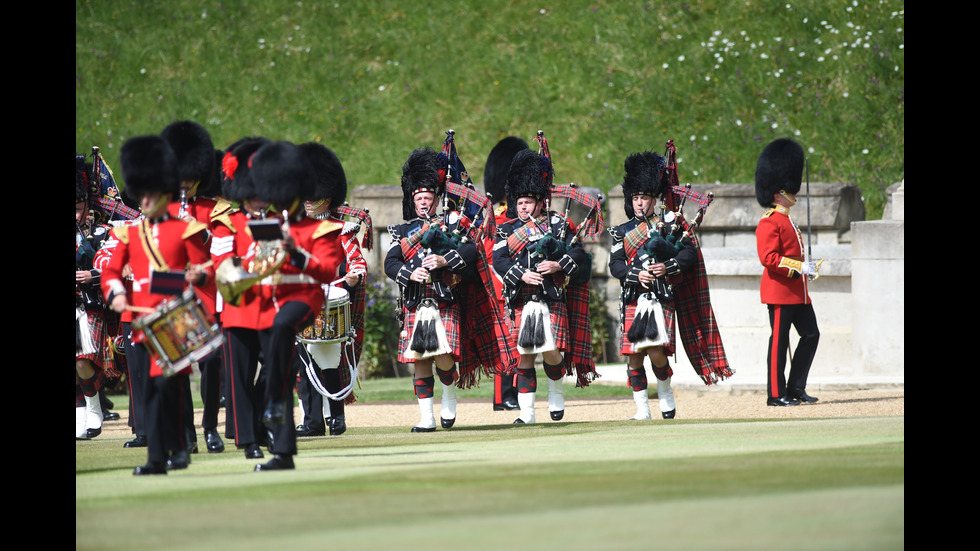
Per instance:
x=326, y=255
x=231, y=238
x=178, y=244
x=199, y=208
x=780, y=246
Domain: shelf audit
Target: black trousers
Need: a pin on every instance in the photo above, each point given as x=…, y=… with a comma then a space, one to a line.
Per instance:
x=279, y=348
x=781, y=318
x=164, y=407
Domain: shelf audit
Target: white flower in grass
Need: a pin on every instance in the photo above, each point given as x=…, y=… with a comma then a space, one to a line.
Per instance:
x=738, y=122
x=865, y=151
x=693, y=137
x=143, y=71
x=381, y=88
x=680, y=58
x=810, y=150
x=666, y=65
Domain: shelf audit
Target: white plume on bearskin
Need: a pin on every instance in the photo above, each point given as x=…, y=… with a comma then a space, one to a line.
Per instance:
x=649, y=327
x=428, y=335
x=535, y=335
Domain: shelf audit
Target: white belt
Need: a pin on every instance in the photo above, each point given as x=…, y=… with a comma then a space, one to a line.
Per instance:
x=283, y=279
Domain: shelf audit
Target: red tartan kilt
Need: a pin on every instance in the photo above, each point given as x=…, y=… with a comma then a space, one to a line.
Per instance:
x=559, y=323
x=103, y=353
x=450, y=319
x=626, y=347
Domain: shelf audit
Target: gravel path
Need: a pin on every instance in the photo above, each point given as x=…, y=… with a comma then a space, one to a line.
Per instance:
x=691, y=404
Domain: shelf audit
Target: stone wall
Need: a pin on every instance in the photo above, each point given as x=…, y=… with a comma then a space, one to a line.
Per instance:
x=859, y=259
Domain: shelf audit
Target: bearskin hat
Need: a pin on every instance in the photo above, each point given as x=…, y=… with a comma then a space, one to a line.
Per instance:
x=282, y=174
x=192, y=146
x=530, y=175
x=83, y=178
x=211, y=187
x=425, y=170
x=644, y=175
x=331, y=181
x=780, y=167
x=498, y=164
x=236, y=178
x=149, y=165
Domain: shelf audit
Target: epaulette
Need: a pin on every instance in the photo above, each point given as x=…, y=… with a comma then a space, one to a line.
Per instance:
x=393, y=230
x=769, y=212
x=614, y=232
x=222, y=212
x=193, y=227
x=121, y=233
x=325, y=227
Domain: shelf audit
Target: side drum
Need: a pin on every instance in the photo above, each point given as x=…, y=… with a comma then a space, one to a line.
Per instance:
x=332, y=323
x=180, y=331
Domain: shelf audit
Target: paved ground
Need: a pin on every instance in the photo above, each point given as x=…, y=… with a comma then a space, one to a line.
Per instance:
x=692, y=403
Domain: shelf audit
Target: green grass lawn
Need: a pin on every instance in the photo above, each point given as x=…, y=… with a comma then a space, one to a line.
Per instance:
x=810, y=484
x=374, y=79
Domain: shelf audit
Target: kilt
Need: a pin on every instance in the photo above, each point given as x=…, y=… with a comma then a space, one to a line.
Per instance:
x=559, y=320
x=450, y=319
x=626, y=347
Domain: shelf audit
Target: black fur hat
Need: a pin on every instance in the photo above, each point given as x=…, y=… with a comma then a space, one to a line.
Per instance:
x=780, y=167
x=236, y=180
x=530, y=175
x=498, y=164
x=644, y=175
x=211, y=187
x=282, y=174
x=149, y=165
x=83, y=178
x=331, y=181
x=425, y=170
x=195, y=152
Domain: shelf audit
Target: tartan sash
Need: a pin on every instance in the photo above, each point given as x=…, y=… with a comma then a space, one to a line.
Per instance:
x=634, y=240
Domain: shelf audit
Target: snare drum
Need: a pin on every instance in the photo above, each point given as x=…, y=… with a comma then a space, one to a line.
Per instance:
x=180, y=331
x=332, y=323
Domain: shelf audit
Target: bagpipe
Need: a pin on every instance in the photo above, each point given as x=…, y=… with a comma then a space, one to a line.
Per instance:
x=104, y=196
x=546, y=242
x=665, y=240
x=466, y=216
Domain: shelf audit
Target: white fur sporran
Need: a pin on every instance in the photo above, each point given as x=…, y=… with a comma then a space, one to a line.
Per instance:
x=428, y=338
x=535, y=335
x=648, y=311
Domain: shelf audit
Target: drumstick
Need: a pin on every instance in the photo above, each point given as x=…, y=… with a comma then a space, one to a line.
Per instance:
x=141, y=309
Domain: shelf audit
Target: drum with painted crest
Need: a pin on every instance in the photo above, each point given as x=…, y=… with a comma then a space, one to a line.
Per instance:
x=181, y=332
x=332, y=323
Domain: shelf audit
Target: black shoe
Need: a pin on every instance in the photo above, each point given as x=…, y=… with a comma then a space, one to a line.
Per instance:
x=150, y=468
x=213, y=441
x=669, y=414
x=557, y=415
x=275, y=414
x=447, y=423
x=277, y=463
x=423, y=429
x=109, y=415
x=253, y=451
x=221, y=402
x=306, y=430
x=92, y=433
x=782, y=401
x=270, y=438
x=801, y=395
x=519, y=421
x=179, y=460
x=192, y=445
x=509, y=404
x=138, y=442
x=338, y=426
